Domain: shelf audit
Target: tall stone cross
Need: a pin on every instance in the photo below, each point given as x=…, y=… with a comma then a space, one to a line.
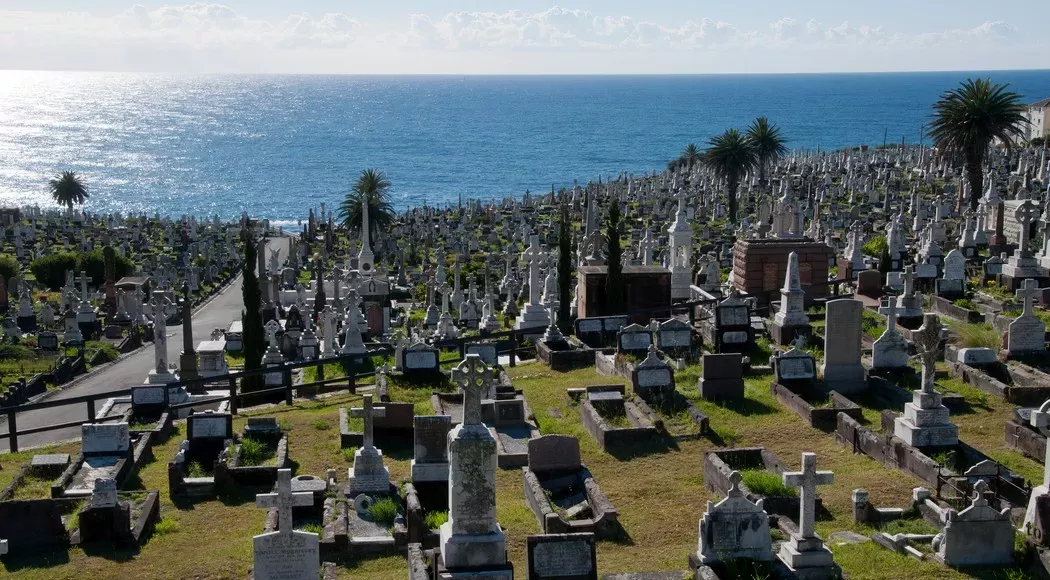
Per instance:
x=891, y=314
x=927, y=341
x=1028, y=291
x=272, y=328
x=1025, y=215
x=807, y=481
x=83, y=280
x=284, y=500
x=474, y=378
x=909, y=280
x=369, y=412
x=533, y=256
x=646, y=247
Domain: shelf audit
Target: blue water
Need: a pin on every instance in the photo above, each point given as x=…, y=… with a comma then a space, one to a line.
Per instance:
x=276, y=145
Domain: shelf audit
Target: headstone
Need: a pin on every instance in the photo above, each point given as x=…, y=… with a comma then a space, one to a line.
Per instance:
x=925, y=420
x=976, y=357
x=554, y=453
x=1027, y=333
x=842, y=366
x=104, y=494
x=430, y=451
x=890, y=351
x=368, y=475
x=286, y=554
x=105, y=438
x=722, y=377
x=634, y=339
x=734, y=528
x=979, y=535
x=795, y=366
x=561, y=557
x=805, y=553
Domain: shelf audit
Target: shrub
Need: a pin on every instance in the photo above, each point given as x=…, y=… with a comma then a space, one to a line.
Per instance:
x=434, y=520
x=875, y=247
x=766, y=483
x=9, y=267
x=383, y=510
x=51, y=270
x=253, y=452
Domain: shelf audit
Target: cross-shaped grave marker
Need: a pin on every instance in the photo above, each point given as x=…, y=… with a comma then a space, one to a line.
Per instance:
x=1025, y=215
x=284, y=500
x=1028, y=291
x=474, y=378
x=534, y=256
x=909, y=280
x=369, y=412
x=807, y=481
x=272, y=328
x=646, y=247
x=83, y=281
x=927, y=341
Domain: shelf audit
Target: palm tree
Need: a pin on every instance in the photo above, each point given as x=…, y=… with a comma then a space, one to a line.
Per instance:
x=968, y=119
x=768, y=143
x=68, y=189
x=691, y=155
x=731, y=156
x=372, y=185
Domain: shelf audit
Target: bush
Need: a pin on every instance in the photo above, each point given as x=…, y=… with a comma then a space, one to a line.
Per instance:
x=254, y=452
x=766, y=483
x=965, y=303
x=9, y=267
x=51, y=270
x=434, y=520
x=875, y=247
x=384, y=510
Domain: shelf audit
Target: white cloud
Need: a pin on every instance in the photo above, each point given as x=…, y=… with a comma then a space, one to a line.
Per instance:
x=216, y=38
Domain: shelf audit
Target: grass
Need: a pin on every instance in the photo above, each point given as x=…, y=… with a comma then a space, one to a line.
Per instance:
x=872, y=323
x=348, y=454
x=165, y=526
x=313, y=528
x=965, y=303
x=322, y=425
x=434, y=520
x=974, y=335
x=766, y=483
x=255, y=452
x=33, y=487
x=384, y=510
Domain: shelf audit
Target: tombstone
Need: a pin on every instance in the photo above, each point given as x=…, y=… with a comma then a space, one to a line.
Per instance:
x=734, y=528
x=471, y=539
x=487, y=352
x=805, y=553
x=1027, y=333
x=953, y=284
x=148, y=401
x=286, y=554
x=673, y=335
x=420, y=359
x=430, y=451
x=925, y=420
x=634, y=339
x=795, y=367
x=104, y=494
x=722, y=377
x=47, y=340
x=561, y=557
x=653, y=375
x=869, y=283
x=105, y=439
x=976, y=357
x=842, y=368
x=733, y=331
x=890, y=351
x=979, y=535
x=368, y=475
x=790, y=320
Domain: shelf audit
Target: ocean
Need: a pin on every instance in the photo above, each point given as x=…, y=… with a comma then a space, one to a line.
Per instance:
x=275, y=146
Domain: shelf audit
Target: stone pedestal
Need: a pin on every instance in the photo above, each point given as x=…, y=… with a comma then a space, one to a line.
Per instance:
x=809, y=559
x=786, y=334
x=188, y=365
x=368, y=475
x=473, y=550
x=533, y=316
x=161, y=378
x=925, y=422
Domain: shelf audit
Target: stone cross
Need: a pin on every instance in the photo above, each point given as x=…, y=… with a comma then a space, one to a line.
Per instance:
x=368, y=413
x=1025, y=215
x=284, y=500
x=534, y=256
x=271, y=329
x=909, y=280
x=473, y=377
x=1028, y=291
x=927, y=341
x=891, y=314
x=83, y=280
x=807, y=481
x=646, y=247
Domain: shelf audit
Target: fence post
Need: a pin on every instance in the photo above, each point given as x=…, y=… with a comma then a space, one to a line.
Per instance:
x=513, y=349
x=91, y=410
x=12, y=429
x=286, y=377
x=233, y=396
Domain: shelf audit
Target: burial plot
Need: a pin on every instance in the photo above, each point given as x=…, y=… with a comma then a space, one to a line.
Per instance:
x=733, y=529
x=977, y=536
x=613, y=421
x=562, y=493
x=269, y=453
x=842, y=368
x=207, y=436
x=106, y=453
x=796, y=388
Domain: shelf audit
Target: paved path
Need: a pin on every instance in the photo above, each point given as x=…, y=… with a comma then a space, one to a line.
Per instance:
x=133, y=369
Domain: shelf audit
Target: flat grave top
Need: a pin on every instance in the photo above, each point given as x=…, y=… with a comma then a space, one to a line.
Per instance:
x=50, y=460
x=604, y=396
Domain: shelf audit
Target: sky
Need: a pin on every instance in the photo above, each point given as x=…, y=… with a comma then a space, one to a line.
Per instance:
x=524, y=36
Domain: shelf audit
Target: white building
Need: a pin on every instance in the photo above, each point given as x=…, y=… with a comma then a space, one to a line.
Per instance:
x=1038, y=115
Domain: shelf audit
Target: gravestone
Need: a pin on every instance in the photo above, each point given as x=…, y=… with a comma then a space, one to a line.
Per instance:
x=890, y=350
x=790, y=320
x=286, y=554
x=420, y=359
x=634, y=339
x=561, y=557
x=979, y=535
x=722, y=377
x=795, y=367
x=652, y=375
x=104, y=494
x=1027, y=334
x=976, y=357
x=842, y=366
x=925, y=420
x=733, y=331
x=486, y=351
x=368, y=475
x=47, y=340
x=674, y=335
x=105, y=439
x=805, y=553
x=734, y=528
x=554, y=453
x=430, y=449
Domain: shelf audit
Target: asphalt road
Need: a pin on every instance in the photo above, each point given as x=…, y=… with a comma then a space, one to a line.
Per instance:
x=132, y=370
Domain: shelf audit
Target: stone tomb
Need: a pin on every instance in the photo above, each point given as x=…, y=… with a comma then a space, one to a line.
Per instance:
x=561, y=557
x=760, y=265
x=722, y=377
x=106, y=453
x=644, y=287
x=730, y=330
x=979, y=535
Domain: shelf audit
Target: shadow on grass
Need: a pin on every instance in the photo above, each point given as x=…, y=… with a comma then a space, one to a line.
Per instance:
x=747, y=407
x=26, y=559
x=656, y=445
x=240, y=495
x=109, y=552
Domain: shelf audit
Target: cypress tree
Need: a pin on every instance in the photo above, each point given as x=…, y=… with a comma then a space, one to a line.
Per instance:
x=564, y=266
x=251, y=317
x=614, y=282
